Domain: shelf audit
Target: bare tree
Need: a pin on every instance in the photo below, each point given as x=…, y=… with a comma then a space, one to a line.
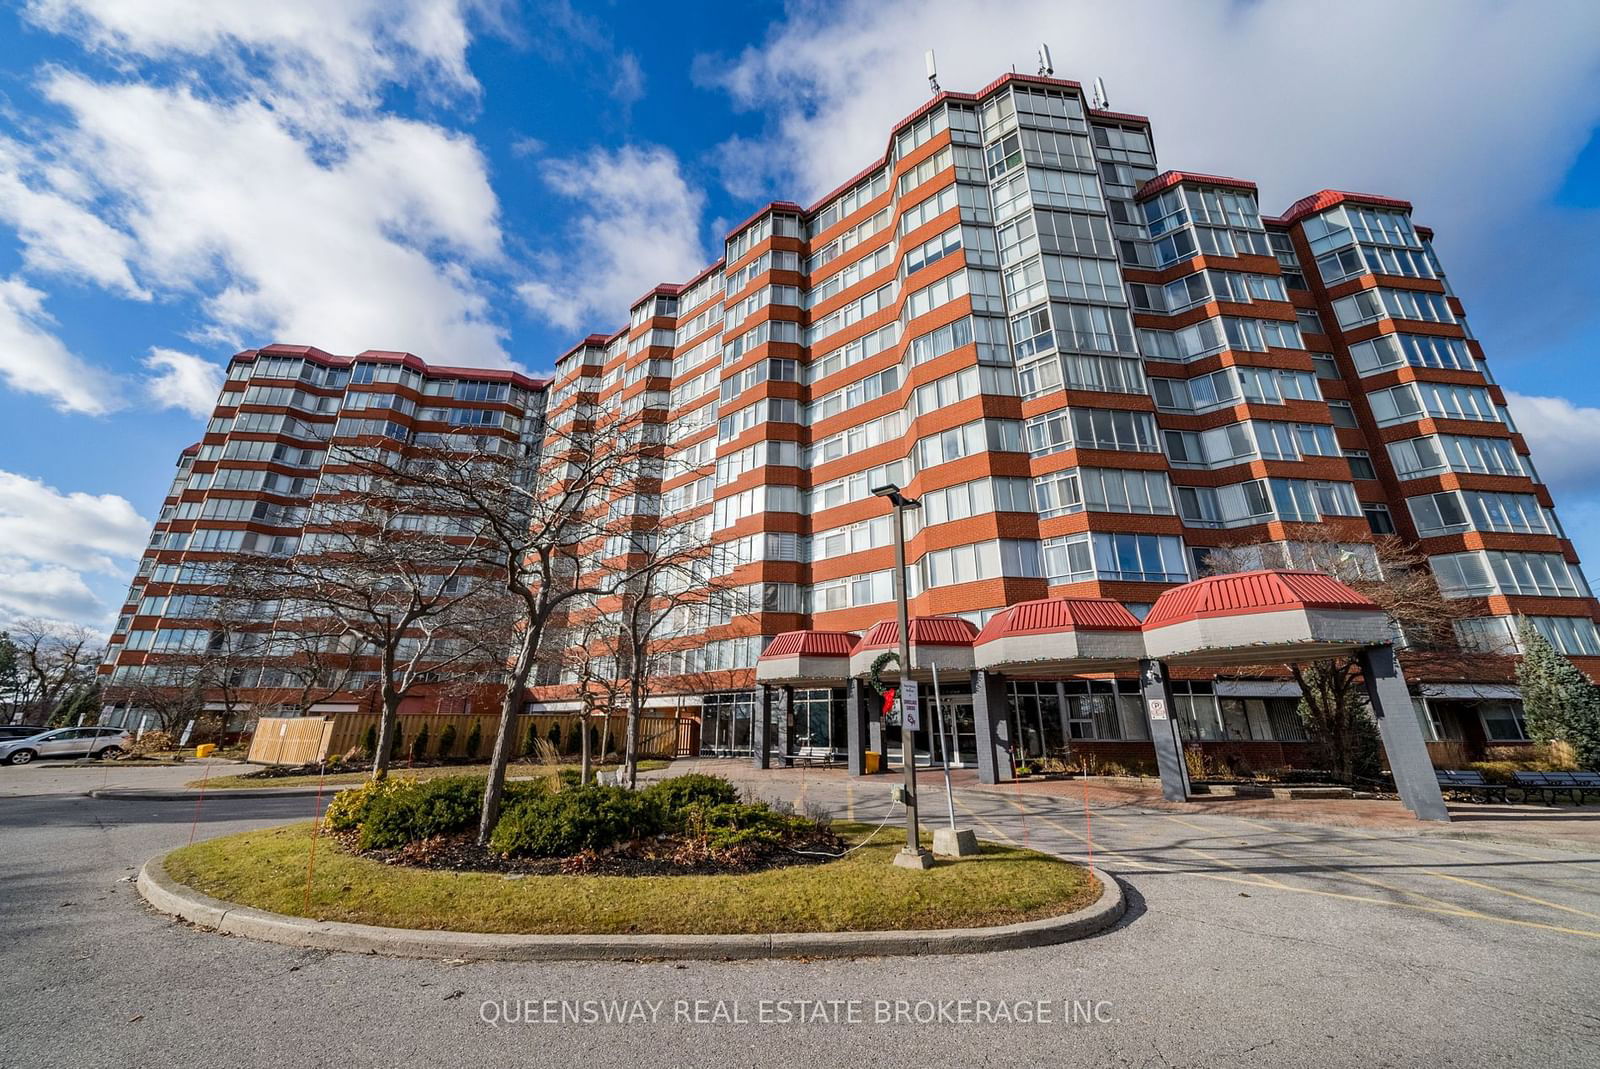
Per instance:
x=235, y=615
x=581, y=650
x=541, y=526
x=1396, y=577
x=671, y=591
x=392, y=573
x=173, y=694
x=52, y=663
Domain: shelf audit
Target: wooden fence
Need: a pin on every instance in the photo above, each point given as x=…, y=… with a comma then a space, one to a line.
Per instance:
x=290, y=740
x=659, y=736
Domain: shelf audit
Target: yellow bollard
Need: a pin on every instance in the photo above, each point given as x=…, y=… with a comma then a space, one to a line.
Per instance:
x=205, y=749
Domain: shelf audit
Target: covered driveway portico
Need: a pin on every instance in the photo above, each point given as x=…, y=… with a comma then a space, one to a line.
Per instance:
x=1249, y=618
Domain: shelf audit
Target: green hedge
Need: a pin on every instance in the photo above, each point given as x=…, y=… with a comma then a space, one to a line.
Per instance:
x=391, y=813
x=678, y=793
x=573, y=820
x=539, y=822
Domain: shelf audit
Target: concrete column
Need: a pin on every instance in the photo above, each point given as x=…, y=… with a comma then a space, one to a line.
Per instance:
x=991, y=719
x=1162, y=717
x=1066, y=720
x=856, y=717
x=875, y=740
x=782, y=710
x=1407, y=751
x=761, y=731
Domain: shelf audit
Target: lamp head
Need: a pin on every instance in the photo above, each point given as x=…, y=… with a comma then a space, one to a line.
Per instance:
x=895, y=497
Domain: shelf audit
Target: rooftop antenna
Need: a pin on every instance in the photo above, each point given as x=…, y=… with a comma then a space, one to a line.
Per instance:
x=1046, y=68
x=933, y=73
x=1101, y=101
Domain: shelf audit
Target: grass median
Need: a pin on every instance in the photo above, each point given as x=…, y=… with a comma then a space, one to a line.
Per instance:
x=861, y=892
x=398, y=771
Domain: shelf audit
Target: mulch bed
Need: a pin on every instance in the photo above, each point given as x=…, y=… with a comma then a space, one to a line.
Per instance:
x=337, y=767
x=666, y=856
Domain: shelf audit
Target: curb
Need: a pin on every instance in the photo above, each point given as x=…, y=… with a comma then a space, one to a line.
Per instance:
x=1465, y=836
x=169, y=896
x=189, y=794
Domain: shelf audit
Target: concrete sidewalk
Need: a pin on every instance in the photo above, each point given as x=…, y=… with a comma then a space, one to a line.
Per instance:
x=1561, y=826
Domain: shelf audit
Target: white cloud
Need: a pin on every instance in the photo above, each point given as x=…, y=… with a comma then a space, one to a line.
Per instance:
x=637, y=224
x=628, y=85
x=51, y=593
x=1565, y=439
x=1315, y=105
x=181, y=380
x=33, y=360
x=366, y=236
x=59, y=235
x=271, y=187
x=50, y=540
x=315, y=49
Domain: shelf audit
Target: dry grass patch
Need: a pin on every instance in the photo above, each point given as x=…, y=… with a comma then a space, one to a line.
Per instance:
x=861, y=892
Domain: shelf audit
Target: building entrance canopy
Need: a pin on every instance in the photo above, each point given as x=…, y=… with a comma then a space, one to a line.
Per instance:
x=1262, y=617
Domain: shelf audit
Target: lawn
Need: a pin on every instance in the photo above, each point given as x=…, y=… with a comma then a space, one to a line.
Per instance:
x=400, y=771
x=862, y=892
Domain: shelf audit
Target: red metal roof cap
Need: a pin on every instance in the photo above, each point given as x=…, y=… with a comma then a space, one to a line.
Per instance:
x=1054, y=615
x=1251, y=592
x=1167, y=179
x=391, y=356
x=811, y=644
x=925, y=631
x=1324, y=199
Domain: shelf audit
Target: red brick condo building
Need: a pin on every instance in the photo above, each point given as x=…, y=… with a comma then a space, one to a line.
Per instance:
x=1092, y=373
x=285, y=430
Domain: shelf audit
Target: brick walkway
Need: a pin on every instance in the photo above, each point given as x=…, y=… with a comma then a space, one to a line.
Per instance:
x=1561, y=824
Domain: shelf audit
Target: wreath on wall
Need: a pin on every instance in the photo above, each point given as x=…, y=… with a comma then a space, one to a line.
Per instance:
x=879, y=663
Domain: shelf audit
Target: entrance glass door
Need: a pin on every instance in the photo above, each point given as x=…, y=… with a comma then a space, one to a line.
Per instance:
x=954, y=714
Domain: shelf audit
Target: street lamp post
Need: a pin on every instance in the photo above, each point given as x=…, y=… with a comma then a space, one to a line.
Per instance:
x=913, y=856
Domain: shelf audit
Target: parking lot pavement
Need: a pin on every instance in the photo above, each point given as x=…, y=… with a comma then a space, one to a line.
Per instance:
x=80, y=777
x=1248, y=942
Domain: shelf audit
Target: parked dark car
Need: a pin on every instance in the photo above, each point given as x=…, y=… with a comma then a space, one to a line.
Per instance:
x=8, y=732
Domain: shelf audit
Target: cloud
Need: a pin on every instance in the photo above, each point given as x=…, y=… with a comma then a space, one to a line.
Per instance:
x=638, y=223
x=628, y=85
x=49, y=541
x=33, y=360
x=365, y=236
x=1565, y=439
x=59, y=235
x=180, y=380
x=267, y=183
x=833, y=80
x=51, y=593
x=1477, y=123
x=312, y=49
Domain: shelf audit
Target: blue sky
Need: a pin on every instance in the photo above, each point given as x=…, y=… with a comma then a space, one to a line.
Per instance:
x=470, y=180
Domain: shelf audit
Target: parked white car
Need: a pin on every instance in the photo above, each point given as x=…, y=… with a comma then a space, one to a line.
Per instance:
x=66, y=742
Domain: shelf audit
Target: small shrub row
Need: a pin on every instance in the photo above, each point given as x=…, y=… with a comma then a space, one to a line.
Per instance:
x=390, y=813
x=542, y=819
x=575, y=819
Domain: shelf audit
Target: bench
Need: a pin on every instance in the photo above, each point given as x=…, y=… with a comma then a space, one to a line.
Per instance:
x=814, y=755
x=1548, y=785
x=1460, y=783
